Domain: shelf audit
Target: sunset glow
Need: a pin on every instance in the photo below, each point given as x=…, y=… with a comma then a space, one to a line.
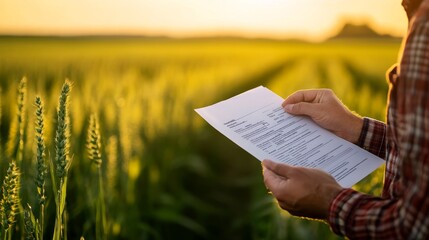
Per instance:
x=310, y=19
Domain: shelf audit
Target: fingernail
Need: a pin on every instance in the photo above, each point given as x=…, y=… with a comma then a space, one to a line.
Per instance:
x=288, y=107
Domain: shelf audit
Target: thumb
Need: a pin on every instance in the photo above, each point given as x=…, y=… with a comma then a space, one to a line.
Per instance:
x=277, y=168
x=303, y=108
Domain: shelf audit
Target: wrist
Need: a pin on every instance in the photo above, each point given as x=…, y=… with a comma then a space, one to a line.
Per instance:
x=355, y=128
x=330, y=193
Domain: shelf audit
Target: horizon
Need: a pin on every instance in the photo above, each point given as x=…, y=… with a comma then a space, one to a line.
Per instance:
x=233, y=36
x=268, y=19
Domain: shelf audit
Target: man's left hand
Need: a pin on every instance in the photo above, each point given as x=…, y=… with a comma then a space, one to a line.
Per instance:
x=303, y=192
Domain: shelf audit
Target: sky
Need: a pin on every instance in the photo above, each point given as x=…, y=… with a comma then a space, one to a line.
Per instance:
x=308, y=19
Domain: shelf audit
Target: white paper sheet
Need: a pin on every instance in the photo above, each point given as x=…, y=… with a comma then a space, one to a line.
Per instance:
x=256, y=122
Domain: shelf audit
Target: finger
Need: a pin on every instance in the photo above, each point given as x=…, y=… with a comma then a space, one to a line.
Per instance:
x=303, y=108
x=273, y=182
x=301, y=96
x=277, y=168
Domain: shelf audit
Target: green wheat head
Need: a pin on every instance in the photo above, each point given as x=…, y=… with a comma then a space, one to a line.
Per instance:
x=9, y=204
x=40, y=154
x=62, y=161
x=22, y=96
x=16, y=141
x=93, y=141
x=62, y=142
x=29, y=224
x=112, y=156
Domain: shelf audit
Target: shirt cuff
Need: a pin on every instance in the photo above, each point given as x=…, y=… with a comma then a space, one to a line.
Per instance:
x=340, y=209
x=373, y=137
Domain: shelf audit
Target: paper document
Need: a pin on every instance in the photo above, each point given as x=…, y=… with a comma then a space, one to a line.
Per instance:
x=256, y=121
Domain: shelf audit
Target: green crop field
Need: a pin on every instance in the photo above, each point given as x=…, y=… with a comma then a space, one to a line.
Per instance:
x=147, y=166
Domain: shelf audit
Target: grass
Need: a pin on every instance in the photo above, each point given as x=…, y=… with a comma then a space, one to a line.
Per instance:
x=160, y=171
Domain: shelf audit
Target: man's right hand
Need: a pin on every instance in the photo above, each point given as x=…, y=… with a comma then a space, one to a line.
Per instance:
x=327, y=111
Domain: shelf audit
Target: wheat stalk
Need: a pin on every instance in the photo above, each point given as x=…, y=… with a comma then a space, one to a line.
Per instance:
x=62, y=143
x=111, y=168
x=62, y=159
x=16, y=139
x=41, y=162
x=10, y=202
x=22, y=93
x=93, y=141
x=40, y=156
x=29, y=225
x=94, y=152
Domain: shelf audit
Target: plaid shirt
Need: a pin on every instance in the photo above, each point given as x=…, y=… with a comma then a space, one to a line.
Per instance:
x=402, y=212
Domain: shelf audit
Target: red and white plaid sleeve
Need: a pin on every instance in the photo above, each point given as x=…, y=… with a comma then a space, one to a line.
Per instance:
x=403, y=210
x=372, y=137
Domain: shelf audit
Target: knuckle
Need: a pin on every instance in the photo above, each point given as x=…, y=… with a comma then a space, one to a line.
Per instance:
x=325, y=92
x=296, y=107
x=276, y=167
x=329, y=92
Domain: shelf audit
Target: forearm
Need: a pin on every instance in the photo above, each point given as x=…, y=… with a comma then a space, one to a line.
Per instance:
x=361, y=216
x=373, y=137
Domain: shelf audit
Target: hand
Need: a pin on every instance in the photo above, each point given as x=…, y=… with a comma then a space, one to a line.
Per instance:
x=327, y=111
x=303, y=192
